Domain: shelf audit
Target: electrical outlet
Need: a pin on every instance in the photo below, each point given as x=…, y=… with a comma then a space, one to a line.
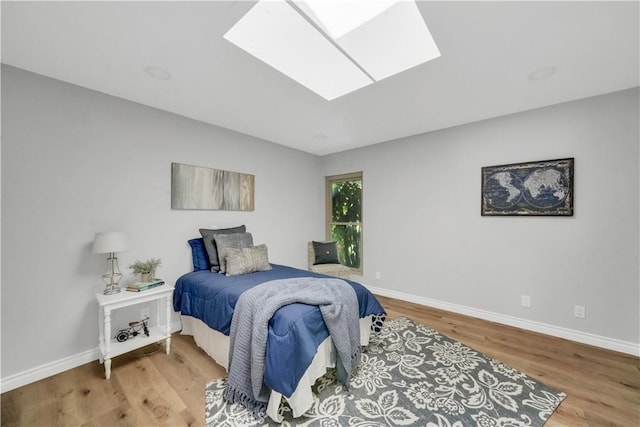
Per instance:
x=525, y=301
x=144, y=313
x=378, y=275
x=579, y=311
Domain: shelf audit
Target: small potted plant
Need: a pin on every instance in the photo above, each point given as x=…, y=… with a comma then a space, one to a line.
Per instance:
x=146, y=269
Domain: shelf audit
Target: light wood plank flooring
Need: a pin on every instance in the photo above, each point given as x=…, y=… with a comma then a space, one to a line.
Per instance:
x=603, y=387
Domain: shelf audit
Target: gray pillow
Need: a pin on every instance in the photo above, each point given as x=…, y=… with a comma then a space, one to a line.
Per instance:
x=210, y=244
x=224, y=242
x=247, y=260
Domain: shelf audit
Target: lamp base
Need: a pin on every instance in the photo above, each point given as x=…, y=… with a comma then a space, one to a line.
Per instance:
x=112, y=275
x=112, y=291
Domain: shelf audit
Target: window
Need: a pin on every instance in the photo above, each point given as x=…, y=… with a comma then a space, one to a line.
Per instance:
x=344, y=217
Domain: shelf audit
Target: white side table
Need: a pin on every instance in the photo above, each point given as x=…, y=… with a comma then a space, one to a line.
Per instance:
x=109, y=347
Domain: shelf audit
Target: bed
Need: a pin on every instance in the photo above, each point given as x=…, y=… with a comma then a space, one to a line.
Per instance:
x=206, y=302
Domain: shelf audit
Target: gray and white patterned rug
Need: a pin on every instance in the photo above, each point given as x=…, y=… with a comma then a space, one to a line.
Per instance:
x=411, y=375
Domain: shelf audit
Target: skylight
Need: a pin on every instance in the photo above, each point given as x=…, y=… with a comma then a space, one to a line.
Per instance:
x=335, y=57
x=337, y=18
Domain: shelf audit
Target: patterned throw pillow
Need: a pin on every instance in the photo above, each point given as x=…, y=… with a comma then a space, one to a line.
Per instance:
x=224, y=242
x=247, y=260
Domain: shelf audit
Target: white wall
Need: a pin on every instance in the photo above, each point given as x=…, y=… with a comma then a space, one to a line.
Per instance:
x=75, y=162
x=423, y=229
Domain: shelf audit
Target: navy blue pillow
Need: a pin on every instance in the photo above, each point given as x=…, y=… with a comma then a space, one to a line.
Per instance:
x=199, y=255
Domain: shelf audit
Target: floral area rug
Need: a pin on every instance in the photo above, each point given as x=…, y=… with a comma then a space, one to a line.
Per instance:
x=411, y=375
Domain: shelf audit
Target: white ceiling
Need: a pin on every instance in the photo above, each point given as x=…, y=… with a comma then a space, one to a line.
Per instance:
x=489, y=50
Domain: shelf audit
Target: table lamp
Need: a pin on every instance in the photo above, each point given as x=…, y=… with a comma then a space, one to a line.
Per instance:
x=110, y=242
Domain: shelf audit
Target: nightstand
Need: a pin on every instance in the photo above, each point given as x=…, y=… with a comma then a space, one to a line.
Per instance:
x=109, y=346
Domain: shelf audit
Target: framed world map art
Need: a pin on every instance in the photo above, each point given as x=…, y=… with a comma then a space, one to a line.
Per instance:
x=542, y=188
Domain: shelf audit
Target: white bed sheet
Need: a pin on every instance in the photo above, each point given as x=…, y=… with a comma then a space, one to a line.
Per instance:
x=216, y=345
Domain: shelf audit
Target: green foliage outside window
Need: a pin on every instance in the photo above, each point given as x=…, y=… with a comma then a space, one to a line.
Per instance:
x=346, y=217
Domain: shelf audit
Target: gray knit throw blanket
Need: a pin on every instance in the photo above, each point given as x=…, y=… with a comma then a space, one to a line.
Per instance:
x=249, y=329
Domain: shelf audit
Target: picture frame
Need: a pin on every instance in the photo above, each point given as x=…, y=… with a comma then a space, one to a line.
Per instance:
x=201, y=188
x=538, y=188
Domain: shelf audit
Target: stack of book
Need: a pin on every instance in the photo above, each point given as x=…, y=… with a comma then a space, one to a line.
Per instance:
x=144, y=286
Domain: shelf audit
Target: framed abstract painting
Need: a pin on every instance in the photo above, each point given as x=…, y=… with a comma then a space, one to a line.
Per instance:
x=196, y=187
x=542, y=188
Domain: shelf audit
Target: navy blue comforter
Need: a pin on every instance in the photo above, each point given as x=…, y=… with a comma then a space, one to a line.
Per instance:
x=295, y=331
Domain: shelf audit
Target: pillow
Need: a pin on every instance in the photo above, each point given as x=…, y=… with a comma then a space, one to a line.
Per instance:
x=199, y=255
x=210, y=244
x=247, y=260
x=224, y=242
x=326, y=253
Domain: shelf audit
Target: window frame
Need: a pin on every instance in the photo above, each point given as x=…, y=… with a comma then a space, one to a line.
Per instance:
x=329, y=181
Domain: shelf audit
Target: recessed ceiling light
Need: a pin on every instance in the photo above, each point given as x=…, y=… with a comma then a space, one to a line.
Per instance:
x=335, y=58
x=542, y=73
x=157, y=73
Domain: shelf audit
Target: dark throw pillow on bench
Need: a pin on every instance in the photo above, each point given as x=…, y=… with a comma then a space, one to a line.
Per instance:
x=326, y=253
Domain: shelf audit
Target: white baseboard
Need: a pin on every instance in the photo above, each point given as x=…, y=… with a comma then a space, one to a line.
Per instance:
x=52, y=368
x=530, y=325
x=48, y=369
x=43, y=371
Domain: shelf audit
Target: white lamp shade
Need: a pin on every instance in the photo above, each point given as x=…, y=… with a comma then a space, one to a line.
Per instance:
x=110, y=241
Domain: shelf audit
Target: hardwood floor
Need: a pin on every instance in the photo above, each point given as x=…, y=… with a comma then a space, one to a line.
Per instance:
x=144, y=390
x=603, y=387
